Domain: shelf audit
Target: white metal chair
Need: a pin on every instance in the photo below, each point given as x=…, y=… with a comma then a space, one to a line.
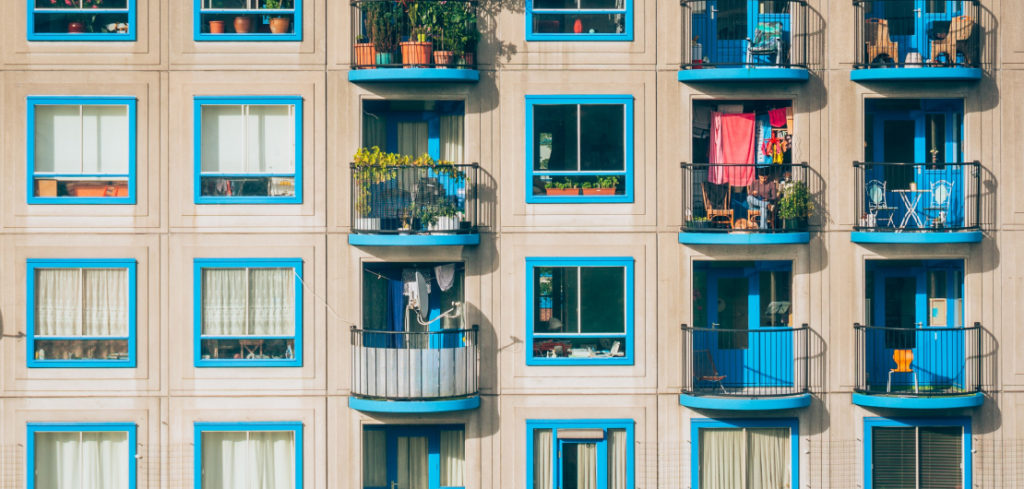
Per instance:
x=877, y=202
x=941, y=194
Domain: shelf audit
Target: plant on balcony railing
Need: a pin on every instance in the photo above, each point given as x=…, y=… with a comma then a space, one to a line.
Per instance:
x=425, y=33
x=795, y=205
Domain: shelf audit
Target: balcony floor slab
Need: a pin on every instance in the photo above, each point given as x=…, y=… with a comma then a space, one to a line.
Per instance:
x=356, y=239
x=414, y=75
x=760, y=74
x=922, y=73
x=919, y=402
x=745, y=403
x=744, y=238
x=923, y=237
x=439, y=406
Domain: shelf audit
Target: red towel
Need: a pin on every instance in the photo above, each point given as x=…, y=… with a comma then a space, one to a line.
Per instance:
x=777, y=117
x=732, y=143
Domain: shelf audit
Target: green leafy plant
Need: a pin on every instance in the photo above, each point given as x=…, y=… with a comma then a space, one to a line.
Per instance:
x=607, y=182
x=796, y=202
x=587, y=185
x=565, y=184
x=383, y=22
x=372, y=166
x=276, y=4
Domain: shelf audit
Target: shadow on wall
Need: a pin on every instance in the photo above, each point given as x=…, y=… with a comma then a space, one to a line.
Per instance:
x=490, y=11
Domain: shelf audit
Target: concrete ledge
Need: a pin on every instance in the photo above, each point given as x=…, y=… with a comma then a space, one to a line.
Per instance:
x=745, y=403
x=922, y=237
x=413, y=239
x=441, y=406
x=918, y=402
x=922, y=73
x=414, y=75
x=762, y=74
x=740, y=238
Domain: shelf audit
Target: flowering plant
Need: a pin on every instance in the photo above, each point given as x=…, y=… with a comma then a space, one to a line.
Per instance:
x=76, y=3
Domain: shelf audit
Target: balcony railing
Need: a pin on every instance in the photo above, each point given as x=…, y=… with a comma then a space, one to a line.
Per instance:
x=917, y=196
x=414, y=366
x=720, y=198
x=922, y=361
x=731, y=34
x=414, y=34
x=771, y=361
x=918, y=33
x=435, y=199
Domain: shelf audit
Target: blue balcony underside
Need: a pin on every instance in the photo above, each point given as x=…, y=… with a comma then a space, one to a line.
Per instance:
x=921, y=237
x=919, y=402
x=414, y=239
x=699, y=238
x=723, y=403
x=923, y=73
x=439, y=406
x=414, y=75
x=765, y=74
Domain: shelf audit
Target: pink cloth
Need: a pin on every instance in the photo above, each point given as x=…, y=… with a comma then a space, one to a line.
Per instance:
x=732, y=143
x=777, y=117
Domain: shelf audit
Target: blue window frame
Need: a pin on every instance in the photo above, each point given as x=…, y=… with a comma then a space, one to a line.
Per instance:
x=248, y=150
x=917, y=452
x=390, y=452
x=82, y=20
x=579, y=148
x=579, y=20
x=556, y=448
x=250, y=439
x=50, y=445
x=248, y=312
x=777, y=454
x=267, y=20
x=579, y=311
x=81, y=150
x=80, y=312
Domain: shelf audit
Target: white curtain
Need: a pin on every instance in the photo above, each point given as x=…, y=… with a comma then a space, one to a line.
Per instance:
x=453, y=138
x=81, y=302
x=105, y=302
x=81, y=138
x=257, y=301
x=617, y=462
x=375, y=458
x=542, y=472
x=412, y=138
x=248, y=460
x=224, y=295
x=82, y=460
x=272, y=301
x=412, y=462
x=586, y=466
x=375, y=132
x=768, y=458
x=453, y=458
x=721, y=458
x=248, y=139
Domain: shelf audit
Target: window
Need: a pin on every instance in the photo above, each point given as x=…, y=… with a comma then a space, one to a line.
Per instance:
x=264, y=455
x=415, y=127
x=247, y=20
x=580, y=311
x=81, y=20
x=248, y=312
x=580, y=148
x=744, y=453
x=81, y=455
x=917, y=453
x=579, y=20
x=81, y=150
x=579, y=454
x=248, y=150
x=81, y=313
x=414, y=457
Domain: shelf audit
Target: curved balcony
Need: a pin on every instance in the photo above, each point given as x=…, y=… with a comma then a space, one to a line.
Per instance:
x=918, y=367
x=414, y=42
x=915, y=40
x=917, y=203
x=409, y=205
x=745, y=369
x=744, y=40
x=414, y=372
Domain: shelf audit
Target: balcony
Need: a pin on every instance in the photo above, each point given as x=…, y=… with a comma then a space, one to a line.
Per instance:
x=414, y=372
x=720, y=205
x=745, y=369
x=908, y=40
x=918, y=367
x=431, y=204
x=415, y=41
x=744, y=40
x=917, y=203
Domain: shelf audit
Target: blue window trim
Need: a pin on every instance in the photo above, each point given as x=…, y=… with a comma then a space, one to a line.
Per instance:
x=33, y=428
x=626, y=262
x=30, y=148
x=624, y=36
x=296, y=35
x=875, y=422
x=131, y=35
x=432, y=433
x=630, y=183
x=197, y=310
x=555, y=424
x=199, y=102
x=201, y=427
x=30, y=306
x=698, y=424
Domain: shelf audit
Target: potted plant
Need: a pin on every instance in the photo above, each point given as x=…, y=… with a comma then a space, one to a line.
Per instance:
x=366, y=54
x=383, y=23
x=699, y=223
x=603, y=186
x=461, y=32
x=417, y=50
x=564, y=187
x=795, y=206
x=78, y=24
x=371, y=166
x=216, y=27
x=280, y=24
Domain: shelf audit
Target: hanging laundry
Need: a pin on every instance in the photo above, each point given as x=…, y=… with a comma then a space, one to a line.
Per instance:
x=732, y=143
x=423, y=294
x=789, y=120
x=777, y=117
x=764, y=133
x=445, y=275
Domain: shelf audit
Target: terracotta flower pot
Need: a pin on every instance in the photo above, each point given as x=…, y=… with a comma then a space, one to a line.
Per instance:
x=599, y=191
x=76, y=27
x=280, y=25
x=243, y=24
x=468, y=59
x=366, y=55
x=416, y=53
x=216, y=27
x=443, y=58
x=562, y=191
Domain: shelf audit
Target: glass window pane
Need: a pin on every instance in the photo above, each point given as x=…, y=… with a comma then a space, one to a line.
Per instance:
x=271, y=139
x=412, y=463
x=271, y=459
x=618, y=446
x=225, y=460
x=776, y=307
x=602, y=145
x=413, y=138
x=554, y=137
x=732, y=20
x=223, y=139
x=226, y=4
x=893, y=458
x=579, y=23
x=271, y=302
x=941, y=457
x=602, y=300
x=555, y=301
x=105, y=141
x=579, y=466
x=105, y=302
x=768, y=457
x=555, y=4
x=602, y=4
x=733, y=312
x=374, y=458
x=542, y=470
x=82, y=460
x=58, y=461
x=721, y=458
x=58, y=138
x=453, y=458
x=58, y=306
x=224, y=301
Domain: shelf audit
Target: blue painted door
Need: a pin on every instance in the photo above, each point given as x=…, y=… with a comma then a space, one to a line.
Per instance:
x=724, y=27
x=413, y=458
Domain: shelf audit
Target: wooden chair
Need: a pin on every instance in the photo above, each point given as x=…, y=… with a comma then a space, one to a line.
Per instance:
x=961, y=29
x=704, y=369
x=903, y=358
x=713, y=212
x=877, y=40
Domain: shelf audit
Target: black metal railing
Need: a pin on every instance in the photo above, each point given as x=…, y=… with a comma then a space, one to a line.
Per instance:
x=770, y=361
x=916, y=33
x=434, y=199
x=917, y=196
x=727, y=34
x=414, y=366
x=722, y=197
x=414, y=34
x=918, y=360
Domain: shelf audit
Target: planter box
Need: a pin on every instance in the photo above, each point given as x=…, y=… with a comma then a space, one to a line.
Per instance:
x=450, y=223
x=599, y=191
x=367, y=224
x=416, y=53
x=366, y=55
x=562, y=191
x=98, y=189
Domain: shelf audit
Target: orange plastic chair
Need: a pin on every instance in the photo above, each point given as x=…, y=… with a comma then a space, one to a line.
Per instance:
x=903, y=358
x=705, y=370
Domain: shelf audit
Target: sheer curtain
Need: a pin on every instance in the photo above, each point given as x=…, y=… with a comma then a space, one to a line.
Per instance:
x=586, y=466
x=248, y=460
x=617, y=451
x=105, y=139
x=58, y=302
x=412, y=138
x=453, y=458
x=272, y=461
x=453, y=138
x=768, y=457
x=105, y=298
x=374, y=131
x=721, y=458
x=542, y=472
x=223, y=136
x=374, y=459
x=81, y=139
x=270, y=137
x=82, y=460
x=271, y=301
x=81, y=302
x=412, y=462
x=224, y=296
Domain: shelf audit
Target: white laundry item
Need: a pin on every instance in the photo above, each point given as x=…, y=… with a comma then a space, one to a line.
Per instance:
x=423, y=292
x=445, y=275
x=409, y=288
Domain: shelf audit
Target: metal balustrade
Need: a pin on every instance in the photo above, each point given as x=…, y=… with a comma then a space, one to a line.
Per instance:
x=918, y=360
x=764, y=362
x=900, y=197
x=434, y=199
